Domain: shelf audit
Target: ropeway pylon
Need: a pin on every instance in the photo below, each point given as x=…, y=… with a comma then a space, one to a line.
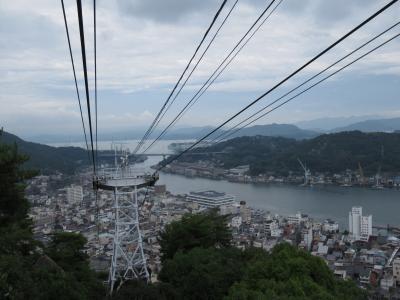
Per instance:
x=128, y=260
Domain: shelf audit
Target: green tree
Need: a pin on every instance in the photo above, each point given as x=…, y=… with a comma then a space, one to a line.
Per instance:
x=203, y=273
x=13, y=205
x=200, y=230
x=67, y=251
x=198, y=267
x=139, y=290
x=26, y=272
x=289, y=273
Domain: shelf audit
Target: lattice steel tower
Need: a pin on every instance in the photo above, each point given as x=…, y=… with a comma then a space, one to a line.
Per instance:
x=128, y=260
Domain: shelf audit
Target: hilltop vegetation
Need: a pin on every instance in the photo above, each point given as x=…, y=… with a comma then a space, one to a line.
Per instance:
x=199, y=263
x=29, y=269
x=47, y=159
x=330, y=153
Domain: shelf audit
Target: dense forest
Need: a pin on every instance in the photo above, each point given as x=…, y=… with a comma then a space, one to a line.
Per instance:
x=198, y=261
x=328, y=153
x=48, y=159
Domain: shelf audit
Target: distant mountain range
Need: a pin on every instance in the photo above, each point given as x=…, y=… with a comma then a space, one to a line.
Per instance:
x=67, y=159
x=282, y=130
x=330, y=123
x=275, y=130
x=378, y=125
x=293, y=131
x=192, y=133
x=300, y=130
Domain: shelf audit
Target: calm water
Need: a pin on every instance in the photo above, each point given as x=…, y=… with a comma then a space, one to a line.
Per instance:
x=320, y=202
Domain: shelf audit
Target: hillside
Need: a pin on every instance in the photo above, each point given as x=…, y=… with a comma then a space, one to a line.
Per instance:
x=48, y=159
x=281, y=130
x=187, y=133
x=326, y=153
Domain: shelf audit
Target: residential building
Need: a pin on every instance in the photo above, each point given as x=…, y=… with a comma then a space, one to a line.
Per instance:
x=360, y=227
x=396, y=270
x=297, y=218
x=245, y=212
x=366, y=226
x=74, y=194
x=231, y=209
x=270, y=226
x=239, y=170
x=330, y=226
x=307, y=237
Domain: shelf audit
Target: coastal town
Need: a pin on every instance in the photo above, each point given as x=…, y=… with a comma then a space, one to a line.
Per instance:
x=359, y=252
x=303, y=176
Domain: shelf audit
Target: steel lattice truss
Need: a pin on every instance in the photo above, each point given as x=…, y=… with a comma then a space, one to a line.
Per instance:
x=128, y=260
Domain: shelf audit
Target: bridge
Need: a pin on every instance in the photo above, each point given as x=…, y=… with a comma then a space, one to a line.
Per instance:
x=389, y=262
x=158, y=154
x=387, y=227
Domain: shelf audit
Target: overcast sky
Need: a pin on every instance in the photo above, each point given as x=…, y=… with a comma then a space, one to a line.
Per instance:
x=143, y=46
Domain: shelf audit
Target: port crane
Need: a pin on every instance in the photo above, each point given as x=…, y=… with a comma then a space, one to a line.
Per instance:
x=307, y=173
x=361, y=173
x=378, y=177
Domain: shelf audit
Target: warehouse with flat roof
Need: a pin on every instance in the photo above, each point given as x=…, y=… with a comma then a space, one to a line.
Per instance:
x=210, y=199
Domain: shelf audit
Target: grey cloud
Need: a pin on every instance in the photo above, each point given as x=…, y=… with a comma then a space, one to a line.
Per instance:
x=17, y=31
x=327, y=11
x=337, y=10
x=166, y=11
x=173, y=11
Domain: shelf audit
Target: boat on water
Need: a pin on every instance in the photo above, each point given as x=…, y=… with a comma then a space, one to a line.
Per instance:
x=378, y=187
x=346, y=185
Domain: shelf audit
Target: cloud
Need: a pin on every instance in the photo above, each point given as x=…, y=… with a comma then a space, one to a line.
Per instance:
x=169, y=11
x=143, y=46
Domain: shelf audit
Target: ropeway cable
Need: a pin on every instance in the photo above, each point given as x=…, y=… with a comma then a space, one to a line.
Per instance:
x=201, y=57
x=179, y=80
x=82, y=38
x=76, y=83
x=366, y=21
x=227, y=133
x=312, y=86
x=197, y=94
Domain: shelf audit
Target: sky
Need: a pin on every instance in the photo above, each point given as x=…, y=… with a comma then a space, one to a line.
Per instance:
x=143, y=47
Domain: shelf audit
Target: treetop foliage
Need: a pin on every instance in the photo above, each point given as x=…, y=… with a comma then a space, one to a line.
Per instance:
x=28, y=269
x=200, y=230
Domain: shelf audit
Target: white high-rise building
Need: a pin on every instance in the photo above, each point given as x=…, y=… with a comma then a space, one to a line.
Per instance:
x=74, y=194
x=354, y=221
x=366, y=225
x=360, y=227
x=396, y=270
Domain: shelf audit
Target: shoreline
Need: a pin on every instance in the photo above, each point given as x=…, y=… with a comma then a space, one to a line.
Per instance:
x=281, y=181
